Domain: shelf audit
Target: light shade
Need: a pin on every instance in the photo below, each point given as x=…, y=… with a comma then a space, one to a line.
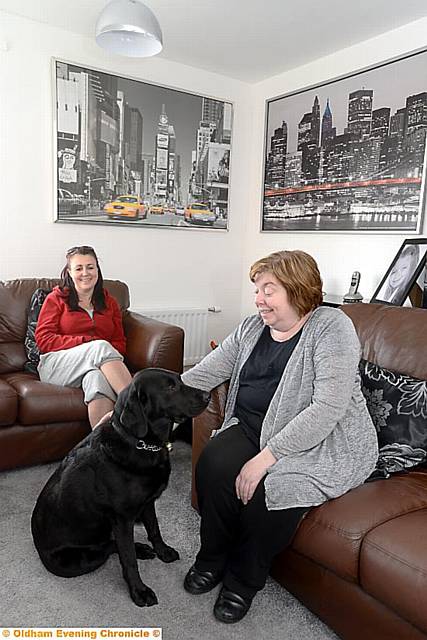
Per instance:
x=129, y=28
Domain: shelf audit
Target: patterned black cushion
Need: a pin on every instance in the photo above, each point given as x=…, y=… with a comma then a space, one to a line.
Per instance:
x=31, y=348
x=398, y=408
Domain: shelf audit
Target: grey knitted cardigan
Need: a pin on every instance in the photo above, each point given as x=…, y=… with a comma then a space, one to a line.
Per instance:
x=317, y=424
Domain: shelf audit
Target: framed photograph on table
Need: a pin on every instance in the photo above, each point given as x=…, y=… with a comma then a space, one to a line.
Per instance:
x=348, y=155
x=403, y=272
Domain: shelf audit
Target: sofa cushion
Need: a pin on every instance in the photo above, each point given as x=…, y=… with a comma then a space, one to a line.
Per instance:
x=8, y=404
x=31, y=348
x=15, y=298
x=391, y=335
x=12, y=355
x=393, y=566
x=332, y=534
x=41, y=403
x=398, y=407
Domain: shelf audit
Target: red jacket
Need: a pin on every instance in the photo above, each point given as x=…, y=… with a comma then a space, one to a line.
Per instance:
x=60, y=328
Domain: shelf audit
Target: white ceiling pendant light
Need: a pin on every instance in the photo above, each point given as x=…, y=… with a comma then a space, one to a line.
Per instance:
x=129, y=28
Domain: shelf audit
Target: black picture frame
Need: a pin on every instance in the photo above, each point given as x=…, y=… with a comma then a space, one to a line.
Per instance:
x=348, y=154
x=394, y=291
x=131, y=152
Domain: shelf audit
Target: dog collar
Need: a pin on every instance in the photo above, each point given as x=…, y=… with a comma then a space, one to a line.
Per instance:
x=139, y=443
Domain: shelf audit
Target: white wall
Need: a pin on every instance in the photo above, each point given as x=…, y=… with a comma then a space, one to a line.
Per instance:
x=166, y=267
x=163, y=267
x=338, y=254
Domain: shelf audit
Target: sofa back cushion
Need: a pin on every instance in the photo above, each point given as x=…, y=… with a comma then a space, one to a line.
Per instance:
x=398, y=407
x=15, y=296
x=392, y=337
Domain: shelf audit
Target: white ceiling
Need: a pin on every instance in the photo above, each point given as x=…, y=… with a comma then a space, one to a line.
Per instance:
x=249, y=40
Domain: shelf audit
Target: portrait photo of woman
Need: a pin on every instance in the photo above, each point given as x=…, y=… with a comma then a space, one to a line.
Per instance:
x=400, y=277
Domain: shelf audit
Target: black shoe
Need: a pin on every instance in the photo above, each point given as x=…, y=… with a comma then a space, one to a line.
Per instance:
x=197, y=582
x=231, y=607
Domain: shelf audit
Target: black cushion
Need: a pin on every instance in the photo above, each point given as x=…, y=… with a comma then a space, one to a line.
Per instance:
x=398, y=407
x=31, y=349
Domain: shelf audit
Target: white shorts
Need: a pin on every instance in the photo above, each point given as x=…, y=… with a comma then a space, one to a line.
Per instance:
x=80, y=367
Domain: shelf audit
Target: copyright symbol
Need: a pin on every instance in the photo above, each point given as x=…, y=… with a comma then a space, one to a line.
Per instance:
x=5, y=633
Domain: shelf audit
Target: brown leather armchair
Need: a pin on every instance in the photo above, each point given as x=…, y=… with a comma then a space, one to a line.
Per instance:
x=360, y=561
x=41, y=422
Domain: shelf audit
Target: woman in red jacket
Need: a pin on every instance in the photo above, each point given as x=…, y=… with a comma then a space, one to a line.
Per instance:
x=80, y=335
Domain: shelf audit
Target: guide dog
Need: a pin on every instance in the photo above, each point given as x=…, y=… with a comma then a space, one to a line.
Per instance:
x=89, y=506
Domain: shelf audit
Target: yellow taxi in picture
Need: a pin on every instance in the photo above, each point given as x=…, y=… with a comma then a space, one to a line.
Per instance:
x=126, y=206
x=199, y=213
x=157, y=208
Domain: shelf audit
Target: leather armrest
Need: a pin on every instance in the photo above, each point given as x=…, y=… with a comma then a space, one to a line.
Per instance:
x=203, y=425
x=150, y=343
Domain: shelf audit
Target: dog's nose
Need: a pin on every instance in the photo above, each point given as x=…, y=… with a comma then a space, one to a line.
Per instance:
x=206, y=396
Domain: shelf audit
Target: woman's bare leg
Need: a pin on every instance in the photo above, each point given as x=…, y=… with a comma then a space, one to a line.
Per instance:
x=97, y=409
x=117, y=374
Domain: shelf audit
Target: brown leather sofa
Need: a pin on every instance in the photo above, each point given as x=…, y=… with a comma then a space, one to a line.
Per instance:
x=359, y=562
x=42, y=422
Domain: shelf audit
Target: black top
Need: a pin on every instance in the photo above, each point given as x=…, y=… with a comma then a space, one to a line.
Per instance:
x=258, y=381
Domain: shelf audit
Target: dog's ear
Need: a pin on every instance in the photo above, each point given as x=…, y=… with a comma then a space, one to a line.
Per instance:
x=129, y=409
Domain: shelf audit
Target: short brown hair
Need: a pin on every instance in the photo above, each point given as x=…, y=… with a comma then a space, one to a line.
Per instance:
x=298, y=272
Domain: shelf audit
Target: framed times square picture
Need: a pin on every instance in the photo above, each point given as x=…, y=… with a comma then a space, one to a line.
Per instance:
x=132, y=153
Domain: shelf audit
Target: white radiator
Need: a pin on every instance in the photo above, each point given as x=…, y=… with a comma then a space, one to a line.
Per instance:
x=195, y=325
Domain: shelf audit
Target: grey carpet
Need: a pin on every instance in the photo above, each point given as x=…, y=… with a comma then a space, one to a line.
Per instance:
x=32, y=597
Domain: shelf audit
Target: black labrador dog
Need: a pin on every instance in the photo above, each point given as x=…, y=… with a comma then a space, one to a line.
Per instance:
x=89, y=506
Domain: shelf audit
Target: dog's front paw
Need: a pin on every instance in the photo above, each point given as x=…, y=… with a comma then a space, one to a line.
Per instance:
x=144, y=551
x=166, y=553
x=143, y=596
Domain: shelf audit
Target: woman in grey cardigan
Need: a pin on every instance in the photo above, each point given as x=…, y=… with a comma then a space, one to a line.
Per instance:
x=296, y=430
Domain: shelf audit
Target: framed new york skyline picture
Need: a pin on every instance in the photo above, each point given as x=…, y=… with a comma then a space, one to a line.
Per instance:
x=132, y=153
x=349, y=154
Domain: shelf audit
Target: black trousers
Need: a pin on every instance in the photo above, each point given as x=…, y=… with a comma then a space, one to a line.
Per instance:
x=237, y=540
